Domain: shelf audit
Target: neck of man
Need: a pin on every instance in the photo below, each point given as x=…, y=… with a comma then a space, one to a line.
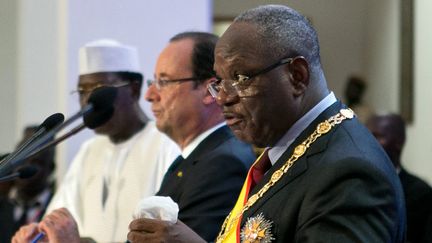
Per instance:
x=185, y=137
x=317, y=92
x=130, y=128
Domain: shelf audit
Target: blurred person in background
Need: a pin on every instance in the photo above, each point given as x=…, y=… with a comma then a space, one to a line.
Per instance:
x=28, y=198
x=355, y=90
x=6, y=185
x=390, y=132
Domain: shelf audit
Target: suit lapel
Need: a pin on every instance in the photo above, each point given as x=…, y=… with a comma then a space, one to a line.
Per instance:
x=300, y=166
x=183, y=169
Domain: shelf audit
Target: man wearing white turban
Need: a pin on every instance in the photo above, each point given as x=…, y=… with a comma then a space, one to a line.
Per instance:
x=127, y=159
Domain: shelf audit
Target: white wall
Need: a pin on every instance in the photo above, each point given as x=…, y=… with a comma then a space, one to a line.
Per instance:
x=8, y=74
x=381, y=50
x=418, y=152
x=39, y=62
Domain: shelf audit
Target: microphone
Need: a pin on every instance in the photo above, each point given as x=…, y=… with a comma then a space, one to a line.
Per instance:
x=22, y=173
x=99, y=117
x=100, y=100
x=48, y=124
x=52, y=121
x=100, y=103
x=91, y=120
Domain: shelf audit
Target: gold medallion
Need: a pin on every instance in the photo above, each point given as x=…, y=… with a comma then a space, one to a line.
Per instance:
x=276, y=176
x=324, y=127
x=299, y=150
x=257, y=230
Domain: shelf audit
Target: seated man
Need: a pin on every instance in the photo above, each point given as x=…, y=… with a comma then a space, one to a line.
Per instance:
x=389, y=130
x=6, y=185
x=208, y=177
x=127, y=158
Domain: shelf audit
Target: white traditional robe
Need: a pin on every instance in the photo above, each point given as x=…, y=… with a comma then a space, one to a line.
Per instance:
x=133, y=170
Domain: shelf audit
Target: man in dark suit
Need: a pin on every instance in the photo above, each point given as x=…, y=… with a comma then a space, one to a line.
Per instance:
x=389, y=130
x=328, y=179
x=207, y=180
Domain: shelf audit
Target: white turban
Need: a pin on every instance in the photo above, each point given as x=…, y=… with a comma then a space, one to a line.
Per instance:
x=107, y=55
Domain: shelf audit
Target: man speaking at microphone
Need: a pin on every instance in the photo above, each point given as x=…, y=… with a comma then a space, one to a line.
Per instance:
x=323, y=176
x=127, y=159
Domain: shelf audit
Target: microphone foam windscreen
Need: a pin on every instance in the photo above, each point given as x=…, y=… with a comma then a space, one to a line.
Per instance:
x=27, y=171
x=98, y=118
x=103, y=98
x=52, y=121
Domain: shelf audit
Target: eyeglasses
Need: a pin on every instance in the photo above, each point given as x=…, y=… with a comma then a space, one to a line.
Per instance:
x=85, y=91
x=241, y=82
x=160, y=83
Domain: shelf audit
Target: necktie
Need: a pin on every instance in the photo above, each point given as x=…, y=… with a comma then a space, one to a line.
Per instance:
x=171, y=169
x=260, y=168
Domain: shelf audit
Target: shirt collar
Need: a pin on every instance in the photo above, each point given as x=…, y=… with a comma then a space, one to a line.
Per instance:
x=192, y=146
x=282, y=145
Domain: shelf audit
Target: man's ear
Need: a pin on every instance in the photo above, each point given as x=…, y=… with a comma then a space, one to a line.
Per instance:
x=299, y=75
x=208, y=98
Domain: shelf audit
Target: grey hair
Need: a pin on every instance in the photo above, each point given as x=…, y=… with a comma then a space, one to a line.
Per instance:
x=284, y=31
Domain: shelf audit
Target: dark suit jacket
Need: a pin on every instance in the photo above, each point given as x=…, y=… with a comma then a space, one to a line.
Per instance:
x=7, y=224
x=418, y=198
x=343, y=189
x=212, y=177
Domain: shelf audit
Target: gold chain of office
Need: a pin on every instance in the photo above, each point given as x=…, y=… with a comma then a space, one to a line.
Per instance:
x=322, y=128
